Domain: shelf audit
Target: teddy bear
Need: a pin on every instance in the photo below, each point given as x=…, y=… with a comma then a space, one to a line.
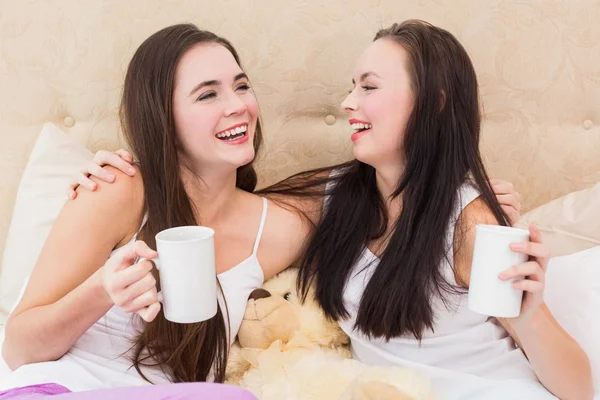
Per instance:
x=288, y=349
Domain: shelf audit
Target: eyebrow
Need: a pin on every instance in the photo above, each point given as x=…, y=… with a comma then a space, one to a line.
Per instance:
x=365, y=76
x=215, y=82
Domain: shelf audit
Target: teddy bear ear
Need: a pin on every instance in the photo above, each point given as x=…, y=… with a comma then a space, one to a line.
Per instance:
x=251, y=355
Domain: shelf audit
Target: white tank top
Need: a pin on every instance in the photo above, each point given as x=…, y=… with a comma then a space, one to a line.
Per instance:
x=101, y=357
x=466, y=352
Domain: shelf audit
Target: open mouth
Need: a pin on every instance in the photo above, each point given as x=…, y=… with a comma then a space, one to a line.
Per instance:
x=360, y=129
x=233, y=134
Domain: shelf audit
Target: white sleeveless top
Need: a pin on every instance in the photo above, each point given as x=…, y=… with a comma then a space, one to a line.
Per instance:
x=468, y=352
x=101, y=357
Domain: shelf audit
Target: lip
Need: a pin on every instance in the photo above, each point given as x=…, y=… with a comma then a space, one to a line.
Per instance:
x=241, y=140
x=233, y=127
x=358, y=121
x=357, y=135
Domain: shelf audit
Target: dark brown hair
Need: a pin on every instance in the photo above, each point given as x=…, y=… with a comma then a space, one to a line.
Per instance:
x=441, y=149
x=187, y=352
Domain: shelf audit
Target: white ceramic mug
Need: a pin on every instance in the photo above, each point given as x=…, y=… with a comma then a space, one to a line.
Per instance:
x=488, y=294
x=188, y=278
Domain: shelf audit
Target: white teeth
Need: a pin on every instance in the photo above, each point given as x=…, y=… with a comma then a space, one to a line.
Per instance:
x=232, y=132
x=360, y=126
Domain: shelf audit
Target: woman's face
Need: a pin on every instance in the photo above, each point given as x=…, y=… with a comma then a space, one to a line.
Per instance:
x=380, y=104
x=214, y=109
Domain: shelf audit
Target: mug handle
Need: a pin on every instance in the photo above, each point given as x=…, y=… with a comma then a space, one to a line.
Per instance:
x=156, y=263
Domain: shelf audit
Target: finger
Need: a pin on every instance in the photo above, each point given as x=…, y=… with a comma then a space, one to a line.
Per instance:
x=71, y=193
x=512, y=214
x=529, y=286
x=535, y=236
x=530, y=269
x=538, y=250
x=116, y=161
x=135, y=274
x=501, y=187
x=129, y=254
x=125, y=155
x=149, y=313
x=144, y=300
x=143, y=250
x=99, y=172
x=83, y=180
x=510, y=199
x=101, y=156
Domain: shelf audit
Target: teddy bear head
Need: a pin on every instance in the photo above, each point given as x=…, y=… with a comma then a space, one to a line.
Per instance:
x=276, y=312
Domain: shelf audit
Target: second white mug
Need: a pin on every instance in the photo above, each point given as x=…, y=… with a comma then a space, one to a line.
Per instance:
x=488, y=294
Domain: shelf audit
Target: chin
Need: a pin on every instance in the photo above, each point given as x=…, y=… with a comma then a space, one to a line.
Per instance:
x=244, y=158
x=363, y=155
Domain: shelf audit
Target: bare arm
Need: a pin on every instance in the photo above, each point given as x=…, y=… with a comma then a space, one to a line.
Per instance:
x=559, y=362
x=65, y=296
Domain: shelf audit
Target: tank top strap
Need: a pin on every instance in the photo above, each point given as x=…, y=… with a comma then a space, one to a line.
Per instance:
x=261, y=227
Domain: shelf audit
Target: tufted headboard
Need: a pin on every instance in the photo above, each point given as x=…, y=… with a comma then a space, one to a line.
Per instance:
x=538, y=64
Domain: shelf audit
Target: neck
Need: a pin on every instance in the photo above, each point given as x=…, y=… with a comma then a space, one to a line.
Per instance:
x=211, y=192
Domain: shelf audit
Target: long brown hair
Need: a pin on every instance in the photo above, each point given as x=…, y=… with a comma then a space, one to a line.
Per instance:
x=441, y=147
x=187, y=352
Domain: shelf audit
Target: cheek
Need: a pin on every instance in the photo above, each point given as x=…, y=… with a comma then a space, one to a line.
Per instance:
x=389, y=114
x=195, y=128
x=251, y=106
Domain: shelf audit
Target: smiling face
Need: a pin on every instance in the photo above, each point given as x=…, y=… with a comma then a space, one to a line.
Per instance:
x=380, y=104
x=214, y=110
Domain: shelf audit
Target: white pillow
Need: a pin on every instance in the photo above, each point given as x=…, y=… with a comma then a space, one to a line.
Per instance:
x=573, y=295
x=56, y=158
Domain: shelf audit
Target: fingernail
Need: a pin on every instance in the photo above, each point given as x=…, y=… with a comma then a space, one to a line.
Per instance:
x=110, y=177
x=93, y=187
x=502, y=275
x=131, y=171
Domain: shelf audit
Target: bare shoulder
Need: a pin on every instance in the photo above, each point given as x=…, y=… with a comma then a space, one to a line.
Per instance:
x=304, y=192
x=475, y=213
x=124, y=190
x=120, y=202
x=284, y=237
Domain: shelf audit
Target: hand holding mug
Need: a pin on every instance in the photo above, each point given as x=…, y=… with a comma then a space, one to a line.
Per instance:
x=131, y=285
x=531, y=274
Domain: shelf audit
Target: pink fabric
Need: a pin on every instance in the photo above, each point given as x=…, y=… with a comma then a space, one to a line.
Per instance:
x=178, y=391
x=41, y=390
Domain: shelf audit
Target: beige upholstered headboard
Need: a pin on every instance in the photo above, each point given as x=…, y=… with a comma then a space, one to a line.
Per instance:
x=538, y=64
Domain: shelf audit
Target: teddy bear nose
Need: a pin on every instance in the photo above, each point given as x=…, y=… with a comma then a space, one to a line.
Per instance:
x=259, y=294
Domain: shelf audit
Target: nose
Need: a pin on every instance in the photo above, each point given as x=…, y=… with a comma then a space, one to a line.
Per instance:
x=235, y=105
x=349, y=104
x=259, y=294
